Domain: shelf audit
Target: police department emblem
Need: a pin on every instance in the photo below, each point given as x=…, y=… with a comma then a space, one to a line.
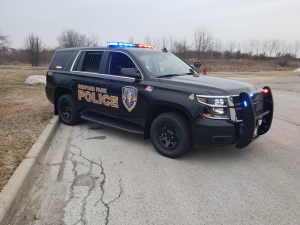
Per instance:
x=129, y=96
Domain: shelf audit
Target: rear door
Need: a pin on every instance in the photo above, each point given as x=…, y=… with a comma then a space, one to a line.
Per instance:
x=85, y=80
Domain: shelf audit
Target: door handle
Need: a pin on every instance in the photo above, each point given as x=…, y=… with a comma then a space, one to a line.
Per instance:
x=75, y=79
x=105, y=84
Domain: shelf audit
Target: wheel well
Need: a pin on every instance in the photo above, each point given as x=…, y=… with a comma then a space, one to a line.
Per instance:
x=155, y=111
x=59, y=92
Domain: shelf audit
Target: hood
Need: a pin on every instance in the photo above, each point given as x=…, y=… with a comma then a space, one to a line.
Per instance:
x=211, y=84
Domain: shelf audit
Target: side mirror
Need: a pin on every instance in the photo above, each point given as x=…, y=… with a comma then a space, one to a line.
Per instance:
x=130, y=72
x=197, y=64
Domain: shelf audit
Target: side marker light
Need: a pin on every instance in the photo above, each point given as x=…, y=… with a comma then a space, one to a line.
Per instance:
x=245, y=103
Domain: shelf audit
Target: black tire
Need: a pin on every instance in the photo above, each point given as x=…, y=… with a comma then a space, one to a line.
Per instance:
x=67, y=110
x=171, y=134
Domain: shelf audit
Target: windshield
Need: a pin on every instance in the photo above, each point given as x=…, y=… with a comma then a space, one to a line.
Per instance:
x=164, y=64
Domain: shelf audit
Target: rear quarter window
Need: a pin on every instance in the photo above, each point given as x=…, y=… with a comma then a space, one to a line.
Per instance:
x=59, y=60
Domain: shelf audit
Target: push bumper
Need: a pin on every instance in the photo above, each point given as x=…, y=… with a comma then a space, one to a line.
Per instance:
x=252, y=113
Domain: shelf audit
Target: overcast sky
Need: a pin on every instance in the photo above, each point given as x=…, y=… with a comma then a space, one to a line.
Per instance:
x=230, y=20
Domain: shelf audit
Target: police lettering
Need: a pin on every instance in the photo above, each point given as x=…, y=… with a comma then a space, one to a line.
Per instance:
x=98, y=98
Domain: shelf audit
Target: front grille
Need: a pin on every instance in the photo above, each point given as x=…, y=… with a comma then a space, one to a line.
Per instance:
x=239, y=114
x=257, y=102
x=236, y=101
x=257, y=97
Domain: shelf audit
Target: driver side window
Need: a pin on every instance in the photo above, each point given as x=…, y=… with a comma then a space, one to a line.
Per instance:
x=118, y=61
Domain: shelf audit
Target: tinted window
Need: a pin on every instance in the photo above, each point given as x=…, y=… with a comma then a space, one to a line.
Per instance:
x=92, y=61
x=118, y=61
x=60, y=60
x=89, y=62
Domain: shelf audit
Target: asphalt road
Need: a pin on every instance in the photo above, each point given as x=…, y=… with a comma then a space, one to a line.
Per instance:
x=97, y=175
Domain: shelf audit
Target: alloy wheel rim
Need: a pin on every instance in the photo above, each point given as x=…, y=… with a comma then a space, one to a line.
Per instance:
x=66, y=110
x=168, y=136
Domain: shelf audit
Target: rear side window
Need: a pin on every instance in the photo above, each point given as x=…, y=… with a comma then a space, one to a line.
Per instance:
x=89, y=62
x=59, y=60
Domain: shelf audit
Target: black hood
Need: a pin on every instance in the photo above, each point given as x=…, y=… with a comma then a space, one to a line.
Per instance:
x=211, y=84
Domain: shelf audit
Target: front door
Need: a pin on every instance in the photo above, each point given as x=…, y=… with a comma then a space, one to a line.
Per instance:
x=126, y=89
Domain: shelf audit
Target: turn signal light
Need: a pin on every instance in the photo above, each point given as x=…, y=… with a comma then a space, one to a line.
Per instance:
x=207, y=114
x=202, y=100
x=266, y=90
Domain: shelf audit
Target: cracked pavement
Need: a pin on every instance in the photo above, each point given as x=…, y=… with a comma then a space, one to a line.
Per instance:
x=97, y=175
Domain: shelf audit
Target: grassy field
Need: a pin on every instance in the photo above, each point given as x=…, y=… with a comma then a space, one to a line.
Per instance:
x=24, y=113
x=256, y=74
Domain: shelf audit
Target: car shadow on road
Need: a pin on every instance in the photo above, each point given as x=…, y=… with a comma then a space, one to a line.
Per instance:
x=205, y=153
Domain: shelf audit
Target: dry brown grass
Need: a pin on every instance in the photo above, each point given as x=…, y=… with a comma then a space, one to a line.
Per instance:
x=256, y=74
x=17, y=65
x=244, y=65
x=24, y=112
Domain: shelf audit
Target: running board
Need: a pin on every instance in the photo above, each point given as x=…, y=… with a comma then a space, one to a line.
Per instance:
x=112, y=122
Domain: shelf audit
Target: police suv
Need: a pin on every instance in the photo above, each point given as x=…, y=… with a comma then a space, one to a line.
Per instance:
x=154, y=93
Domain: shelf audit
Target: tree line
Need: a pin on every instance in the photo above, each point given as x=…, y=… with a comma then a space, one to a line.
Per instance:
x=202, y=45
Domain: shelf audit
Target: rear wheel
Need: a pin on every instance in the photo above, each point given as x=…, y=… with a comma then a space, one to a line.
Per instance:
x=171, y=135
x=67, y=110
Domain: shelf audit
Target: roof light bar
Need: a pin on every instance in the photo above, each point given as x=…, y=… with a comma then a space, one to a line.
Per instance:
x=127, y=45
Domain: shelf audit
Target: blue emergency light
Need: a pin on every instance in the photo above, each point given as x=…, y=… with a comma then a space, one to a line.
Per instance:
x=127, y=45
x=251, y=95
x=245, y=103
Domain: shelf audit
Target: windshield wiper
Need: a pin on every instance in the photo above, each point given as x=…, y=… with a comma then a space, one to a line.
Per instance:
x=170, y=75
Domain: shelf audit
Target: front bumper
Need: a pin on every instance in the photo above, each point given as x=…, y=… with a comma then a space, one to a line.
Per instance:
x=255, y=115
x=252, y=113
x=213, y=132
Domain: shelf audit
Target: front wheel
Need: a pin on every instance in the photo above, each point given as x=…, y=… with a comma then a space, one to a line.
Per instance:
x=67, y=110
x=171, y=134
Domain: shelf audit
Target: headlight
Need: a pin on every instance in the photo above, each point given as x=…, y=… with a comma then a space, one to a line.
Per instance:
x=216, y=107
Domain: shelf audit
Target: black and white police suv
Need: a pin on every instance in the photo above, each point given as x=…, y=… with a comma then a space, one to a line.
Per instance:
x=154, y=93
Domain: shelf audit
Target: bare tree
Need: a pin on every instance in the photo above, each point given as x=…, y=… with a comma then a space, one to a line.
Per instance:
x=172, y=44
x=147, y=40
x=203, y=40
x=284, y=47
x=4, y=41
x=257, y=46
x=157, y=43
x=218, y=46
x=251, y=47
x=296, y=48
x=264, y=47
x=71, y=38
x=230, y=47
x=130, y=39
x=33, y=48
x=181, y=48
x=164, y=42
x=271, y=46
